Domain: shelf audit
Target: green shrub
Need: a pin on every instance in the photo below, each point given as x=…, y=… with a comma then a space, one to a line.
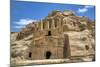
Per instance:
x=82, y=27
x=83, y=39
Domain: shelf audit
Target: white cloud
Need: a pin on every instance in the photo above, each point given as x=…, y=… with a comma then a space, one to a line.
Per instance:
x=18, y=27
x=22, y=22
x=84, y=9
x=88, y=6
x=25, y=21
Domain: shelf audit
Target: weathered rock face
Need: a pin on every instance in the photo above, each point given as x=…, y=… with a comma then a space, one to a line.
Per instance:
x=30, y=28
x=68, y=13
x=80, y=43
x=60, y=35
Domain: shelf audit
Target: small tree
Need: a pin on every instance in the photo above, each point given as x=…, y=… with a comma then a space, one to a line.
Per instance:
x=82, y=27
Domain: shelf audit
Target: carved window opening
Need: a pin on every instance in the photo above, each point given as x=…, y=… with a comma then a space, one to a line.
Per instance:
x=86, y=47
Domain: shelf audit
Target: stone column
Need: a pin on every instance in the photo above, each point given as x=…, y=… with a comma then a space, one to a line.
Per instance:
x=59, y=21
x=47, y=24
x=36, y=26
x=53, y=24
x=41, y=24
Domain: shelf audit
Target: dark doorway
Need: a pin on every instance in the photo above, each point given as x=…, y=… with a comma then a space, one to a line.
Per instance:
x=48, y=54
x=30, y=54
x=49, y=33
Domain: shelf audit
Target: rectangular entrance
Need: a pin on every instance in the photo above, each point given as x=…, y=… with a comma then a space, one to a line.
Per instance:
x=66, y=49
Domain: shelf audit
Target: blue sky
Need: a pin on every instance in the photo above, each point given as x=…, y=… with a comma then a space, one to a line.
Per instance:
x=23, y=13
